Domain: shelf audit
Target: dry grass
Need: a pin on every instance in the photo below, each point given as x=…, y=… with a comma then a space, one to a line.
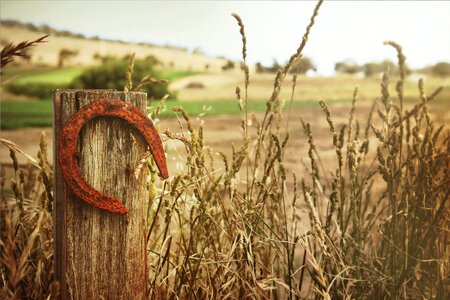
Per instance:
x=228, y=227
x=26, y=229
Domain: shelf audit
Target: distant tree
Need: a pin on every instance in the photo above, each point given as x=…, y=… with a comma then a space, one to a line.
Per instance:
x=372, y=68
x=197, y=50
x=31, y=27
x=229, y=65
x=111, y=75
x=441, y=69
x=103, y=58
x=303, y=65
x=259, y=68
x=46, y=29
x=153, y=60
x=275, y=66
x=377, y=68
x=97, y=56
x=64, y=55
x=347, y=67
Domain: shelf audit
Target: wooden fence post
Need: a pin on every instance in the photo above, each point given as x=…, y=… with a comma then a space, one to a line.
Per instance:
x=99, y=253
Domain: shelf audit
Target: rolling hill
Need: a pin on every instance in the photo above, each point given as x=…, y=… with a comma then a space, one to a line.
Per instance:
x=88, y=49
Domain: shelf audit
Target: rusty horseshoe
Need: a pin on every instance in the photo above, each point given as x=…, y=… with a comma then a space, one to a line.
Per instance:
x=68, y=153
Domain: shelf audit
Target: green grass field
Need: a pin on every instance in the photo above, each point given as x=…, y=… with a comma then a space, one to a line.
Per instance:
x=66, y=75
x=20, y=114
x=38, y=113
x=175, y=74
x=43, y=75
x=32, y=113
x=53, y=76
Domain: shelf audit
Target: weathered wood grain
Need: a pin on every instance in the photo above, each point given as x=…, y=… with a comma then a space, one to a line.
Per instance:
x=98, y=253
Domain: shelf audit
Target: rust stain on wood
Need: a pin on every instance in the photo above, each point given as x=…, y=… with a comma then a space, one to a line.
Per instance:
x=68, y=153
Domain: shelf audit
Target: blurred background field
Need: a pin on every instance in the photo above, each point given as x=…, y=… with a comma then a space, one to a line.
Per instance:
x=204, y=85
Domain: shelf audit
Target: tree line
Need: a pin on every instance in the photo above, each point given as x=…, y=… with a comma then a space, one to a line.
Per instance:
x=302, y=66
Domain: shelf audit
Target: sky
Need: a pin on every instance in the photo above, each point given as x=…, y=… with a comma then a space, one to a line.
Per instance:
x=344, y=30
